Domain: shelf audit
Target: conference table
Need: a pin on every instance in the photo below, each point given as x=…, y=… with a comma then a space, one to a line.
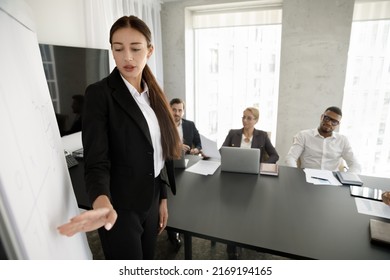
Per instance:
x=281, y=215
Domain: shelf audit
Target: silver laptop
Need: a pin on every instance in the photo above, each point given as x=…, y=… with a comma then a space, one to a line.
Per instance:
x=241, y=160
x=182, y=162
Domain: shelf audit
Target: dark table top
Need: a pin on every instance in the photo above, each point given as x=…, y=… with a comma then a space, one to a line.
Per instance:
x=281, y=215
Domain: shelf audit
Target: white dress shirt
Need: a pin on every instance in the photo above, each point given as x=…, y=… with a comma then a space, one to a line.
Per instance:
x=180, y=130
x=318, y=152
x=143, y=103
x=244, y=144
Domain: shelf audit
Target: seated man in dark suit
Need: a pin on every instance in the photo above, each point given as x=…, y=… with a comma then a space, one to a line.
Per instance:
x=191, y=145
x=187, y=129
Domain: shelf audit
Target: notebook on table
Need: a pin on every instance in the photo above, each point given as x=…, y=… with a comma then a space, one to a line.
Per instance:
x=271, y=169
x=240, y=160
x=349, y=178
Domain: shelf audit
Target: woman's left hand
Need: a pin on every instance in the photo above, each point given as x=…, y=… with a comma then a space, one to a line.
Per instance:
x=386, y=198
x=163, y=215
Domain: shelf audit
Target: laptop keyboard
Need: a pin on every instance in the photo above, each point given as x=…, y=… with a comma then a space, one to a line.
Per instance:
x=71, y=161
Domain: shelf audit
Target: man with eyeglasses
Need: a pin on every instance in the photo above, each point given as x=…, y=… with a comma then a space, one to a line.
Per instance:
x=322, y=148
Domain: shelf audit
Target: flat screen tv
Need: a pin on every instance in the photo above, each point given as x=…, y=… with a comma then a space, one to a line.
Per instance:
x=69, y=70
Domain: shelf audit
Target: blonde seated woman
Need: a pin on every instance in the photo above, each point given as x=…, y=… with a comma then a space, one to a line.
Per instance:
x=250, y=137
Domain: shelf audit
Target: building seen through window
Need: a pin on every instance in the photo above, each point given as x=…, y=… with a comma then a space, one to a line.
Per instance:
x=236, y=67
x=366, y=104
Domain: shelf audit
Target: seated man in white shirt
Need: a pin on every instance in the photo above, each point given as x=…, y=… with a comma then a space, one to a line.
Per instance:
x=322, y=148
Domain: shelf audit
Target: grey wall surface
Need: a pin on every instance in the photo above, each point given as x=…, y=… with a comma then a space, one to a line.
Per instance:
x=315, y=42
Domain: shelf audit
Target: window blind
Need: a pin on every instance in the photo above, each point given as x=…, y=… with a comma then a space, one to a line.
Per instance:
x=237, y=14
x=371, y=10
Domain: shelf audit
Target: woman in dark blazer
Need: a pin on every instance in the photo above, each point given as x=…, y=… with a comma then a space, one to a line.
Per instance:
x=250, y=137
x=129, y=139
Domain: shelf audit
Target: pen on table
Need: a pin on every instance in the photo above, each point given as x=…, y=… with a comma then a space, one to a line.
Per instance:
x=323, y=179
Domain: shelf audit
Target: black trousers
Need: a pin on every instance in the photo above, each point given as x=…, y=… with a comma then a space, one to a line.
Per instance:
x=134, y=234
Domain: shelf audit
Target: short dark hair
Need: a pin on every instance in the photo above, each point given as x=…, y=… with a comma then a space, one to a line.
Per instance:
x=335, y=109
x=177, y=101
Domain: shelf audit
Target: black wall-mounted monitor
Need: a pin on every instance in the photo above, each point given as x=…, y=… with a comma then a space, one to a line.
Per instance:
x=69, y=70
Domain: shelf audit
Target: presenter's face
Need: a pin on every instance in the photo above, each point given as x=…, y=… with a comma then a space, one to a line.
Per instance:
x=131, y=53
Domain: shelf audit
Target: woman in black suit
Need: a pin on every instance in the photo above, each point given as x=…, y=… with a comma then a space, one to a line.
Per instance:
x=249, y=137
x=129, y=139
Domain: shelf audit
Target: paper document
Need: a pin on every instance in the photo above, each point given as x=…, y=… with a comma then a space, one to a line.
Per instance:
x=72, y=142
x=372, y=207
x=209, y=148
x=321, y=177
x=204, y=167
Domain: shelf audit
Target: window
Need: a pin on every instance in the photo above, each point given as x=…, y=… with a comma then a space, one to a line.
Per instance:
x=49, y=65
x=366, y=110
x=236, y=65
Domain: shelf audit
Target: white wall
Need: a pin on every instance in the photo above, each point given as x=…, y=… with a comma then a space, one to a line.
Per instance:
x=315, y=41
x=59, y=22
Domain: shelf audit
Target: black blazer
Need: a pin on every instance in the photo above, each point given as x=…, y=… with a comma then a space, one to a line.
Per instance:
x=118, y=150
x=260, y=140
x=191, y=135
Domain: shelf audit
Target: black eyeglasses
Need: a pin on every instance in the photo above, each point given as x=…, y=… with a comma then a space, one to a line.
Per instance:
x=248, y=118
x=334, y=122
